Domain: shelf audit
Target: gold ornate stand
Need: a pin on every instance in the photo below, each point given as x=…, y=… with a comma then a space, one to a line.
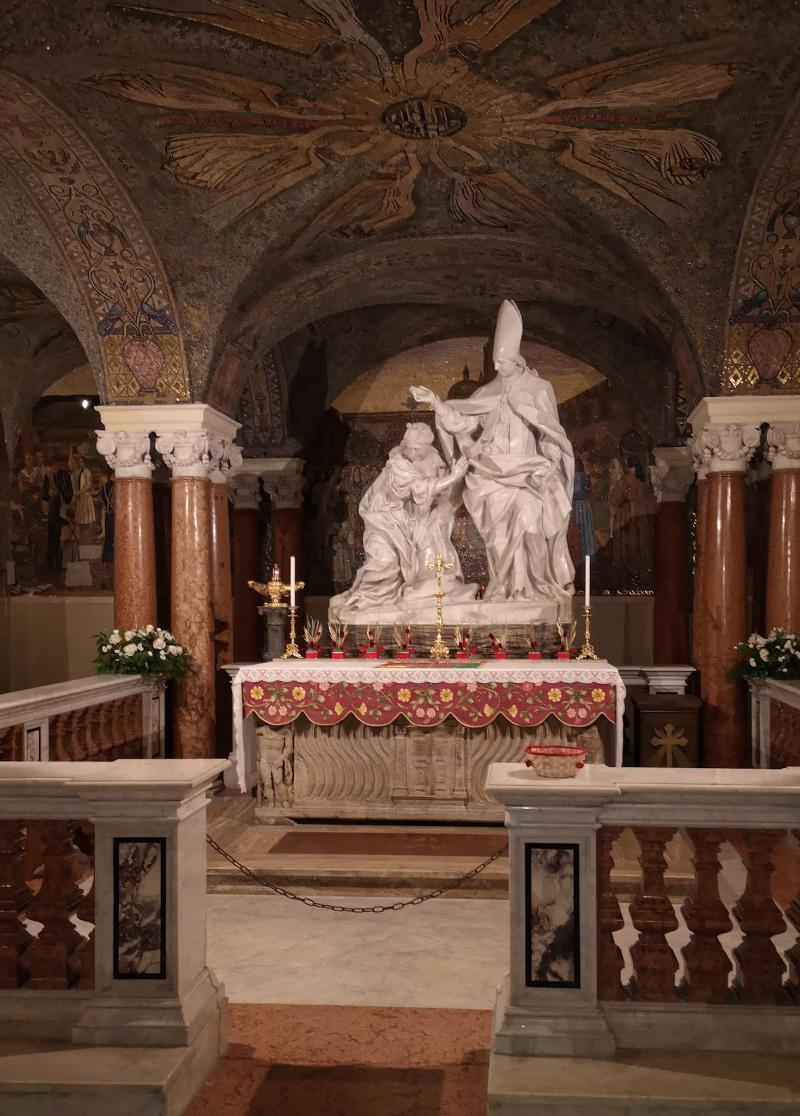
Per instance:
x=587, y=651
x=292, y=650
x=439, y=651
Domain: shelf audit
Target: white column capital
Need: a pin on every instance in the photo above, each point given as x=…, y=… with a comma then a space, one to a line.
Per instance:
x=672, y=474
x=128, y=454
x=282, y=476
x=784, y=445
x=726, y=447
x=226, y=458
x=185, y=452
x=244, y=491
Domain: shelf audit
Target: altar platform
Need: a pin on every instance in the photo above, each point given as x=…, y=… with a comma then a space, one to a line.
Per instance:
x=395, y=740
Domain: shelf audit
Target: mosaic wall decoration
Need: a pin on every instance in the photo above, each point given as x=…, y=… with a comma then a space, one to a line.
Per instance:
x=104, y=243
x=140, y=873
x=763, y=337
x=62, y=505
x=613, y=502
x=552, y=916
x=433, y=112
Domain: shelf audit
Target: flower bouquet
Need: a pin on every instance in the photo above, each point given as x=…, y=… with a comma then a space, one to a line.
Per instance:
x=402, y=639
x=147, y=650
x=312, y=634
x=373, y=647
x=464, y=648
x=530, y=639
x=776, y=655
x=338, y=634
x=498, y=643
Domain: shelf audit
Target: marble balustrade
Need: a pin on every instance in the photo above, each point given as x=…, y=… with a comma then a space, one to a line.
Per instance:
x=100, y=718
x=775, y=722
x=591, y=972
x=119, y=956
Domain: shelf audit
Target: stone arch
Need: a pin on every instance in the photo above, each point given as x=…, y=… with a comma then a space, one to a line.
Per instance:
x=762, y=333
x=123, y=286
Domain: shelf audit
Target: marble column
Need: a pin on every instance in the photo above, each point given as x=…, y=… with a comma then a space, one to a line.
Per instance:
x=726, y=450
x=247, y=566
x=221, y=578
x=698, y=595
x=192, y=453
x=671, y=477
x=783, y=557
x=128, y=455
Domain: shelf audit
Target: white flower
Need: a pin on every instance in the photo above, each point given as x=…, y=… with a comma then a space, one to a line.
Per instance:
x=159, y=644
x=175, y=649
x=149, y=629
x=167, y=635
x=764, y=654
x=150, y=653
x=115, y=637
x=162, y=654
x=760, y=641
x=106, y=647
x=129, y=649
x=752, y=662
x=130, y=634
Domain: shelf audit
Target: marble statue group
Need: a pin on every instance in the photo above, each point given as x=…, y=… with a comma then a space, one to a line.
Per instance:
x=508, y=458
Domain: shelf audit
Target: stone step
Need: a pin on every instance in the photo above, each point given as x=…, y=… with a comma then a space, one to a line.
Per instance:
x=645, y=1083
x=48, y=1079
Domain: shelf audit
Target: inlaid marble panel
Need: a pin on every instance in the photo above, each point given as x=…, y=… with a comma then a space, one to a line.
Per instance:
x=139, y=908
x=553, y=958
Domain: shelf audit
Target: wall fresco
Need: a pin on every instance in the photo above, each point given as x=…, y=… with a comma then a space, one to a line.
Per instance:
x=62, y=505
x=249, y=141
x=104, y=243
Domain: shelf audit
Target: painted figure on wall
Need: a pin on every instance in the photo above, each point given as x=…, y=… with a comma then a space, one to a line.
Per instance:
x=628, y=495
x=582, y=510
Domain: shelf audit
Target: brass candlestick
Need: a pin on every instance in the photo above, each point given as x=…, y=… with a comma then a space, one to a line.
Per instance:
x=292, y=650
x=587, y=651
x=439, y=652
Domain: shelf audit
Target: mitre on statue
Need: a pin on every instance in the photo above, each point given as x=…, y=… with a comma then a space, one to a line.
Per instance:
x=507, y=333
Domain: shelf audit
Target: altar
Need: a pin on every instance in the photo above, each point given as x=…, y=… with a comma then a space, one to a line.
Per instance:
x=392, y=739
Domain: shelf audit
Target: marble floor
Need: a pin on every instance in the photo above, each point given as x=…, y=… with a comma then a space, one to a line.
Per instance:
x=448, y=953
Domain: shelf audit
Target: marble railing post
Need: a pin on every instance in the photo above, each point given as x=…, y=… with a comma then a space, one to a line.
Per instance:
x=247, y=565
x=726, y=448
x=128, y=455
x=783, y=559
x=192, y=440
x=672, y=478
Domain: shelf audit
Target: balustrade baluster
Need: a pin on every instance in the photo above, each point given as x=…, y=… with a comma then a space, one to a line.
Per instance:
x=57, y=728
x=90, y=734
x=14, y=898
x=50, y=955
x=654, y=962
x=115, y=725
x=74, y=731
x=760, y=966
x=610, y=961
x=34, y=850
x=707, y=964
x=12, y=742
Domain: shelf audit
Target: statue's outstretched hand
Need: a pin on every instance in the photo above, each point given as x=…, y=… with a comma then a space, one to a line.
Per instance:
x=424, y=395
x=459, y=468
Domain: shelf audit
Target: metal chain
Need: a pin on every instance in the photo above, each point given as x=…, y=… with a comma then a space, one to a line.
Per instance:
x=309, y=902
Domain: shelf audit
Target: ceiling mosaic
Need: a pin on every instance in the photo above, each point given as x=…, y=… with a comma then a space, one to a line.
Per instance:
x=248, y=140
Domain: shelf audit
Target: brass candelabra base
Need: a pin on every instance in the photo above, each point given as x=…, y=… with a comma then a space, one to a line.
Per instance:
x=587, y=651
x=292, y=650
x=439, y=650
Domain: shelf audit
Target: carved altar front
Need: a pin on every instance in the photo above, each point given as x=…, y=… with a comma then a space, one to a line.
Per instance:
x=386, y=740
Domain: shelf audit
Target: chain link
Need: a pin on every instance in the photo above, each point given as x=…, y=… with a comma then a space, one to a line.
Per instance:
x=307, y=901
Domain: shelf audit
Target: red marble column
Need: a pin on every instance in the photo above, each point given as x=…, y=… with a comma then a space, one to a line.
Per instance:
x=134, y=536
x=724, y=615
x=246, y=561
x=783, y=558
x=284, y=483
x=698, y=603
x=221, y=582
x=672, y=477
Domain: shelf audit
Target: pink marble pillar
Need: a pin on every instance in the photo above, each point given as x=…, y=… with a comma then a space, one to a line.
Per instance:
x=221, y=581
x=128, y=455
x=247, y=626
x=783, y=558
x=672, y=477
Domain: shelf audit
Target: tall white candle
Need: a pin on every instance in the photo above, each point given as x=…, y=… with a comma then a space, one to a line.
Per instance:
x=291, y=581
x=586, y=584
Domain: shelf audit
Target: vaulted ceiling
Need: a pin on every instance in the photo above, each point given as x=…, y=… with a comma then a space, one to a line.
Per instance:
x=292, y=162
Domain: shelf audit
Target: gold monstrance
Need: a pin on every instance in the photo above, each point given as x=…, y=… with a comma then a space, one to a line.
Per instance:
x=439, y=651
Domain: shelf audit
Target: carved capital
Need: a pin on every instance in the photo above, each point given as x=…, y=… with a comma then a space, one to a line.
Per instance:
x=185, y=452
x=672, y=474
x=285, y=488
x=226, y=458
x=783, y=439
x=244, y=491
x=126, y=453
x=727, y=447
